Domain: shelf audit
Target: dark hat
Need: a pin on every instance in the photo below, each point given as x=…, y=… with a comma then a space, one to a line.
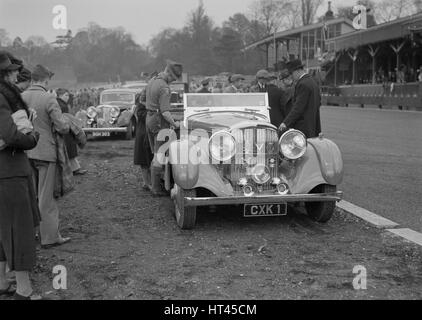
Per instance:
x=6, y=64
x=24, y=75
x=40, y=73
x=15, y=60
x=284, y=74
x=263, y=74
x=294, y=65
x=205, y=82
x=236, y=77
x=175, y=68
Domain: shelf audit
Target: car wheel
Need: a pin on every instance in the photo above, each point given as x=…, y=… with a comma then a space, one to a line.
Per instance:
x=321, y=211
x=131, y=128
x=185, y=216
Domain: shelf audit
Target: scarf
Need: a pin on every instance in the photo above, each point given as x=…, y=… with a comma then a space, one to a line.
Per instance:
x=13, y=97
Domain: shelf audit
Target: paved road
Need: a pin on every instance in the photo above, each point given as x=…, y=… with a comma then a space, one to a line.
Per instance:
x=382, y=152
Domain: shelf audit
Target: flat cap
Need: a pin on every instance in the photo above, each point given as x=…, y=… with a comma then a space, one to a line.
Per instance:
x=40, y=73
x=236, y=77
x=263, y=74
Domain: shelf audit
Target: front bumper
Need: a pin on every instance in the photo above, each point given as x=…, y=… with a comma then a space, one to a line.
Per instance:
x=264, y=199
x=89, y=130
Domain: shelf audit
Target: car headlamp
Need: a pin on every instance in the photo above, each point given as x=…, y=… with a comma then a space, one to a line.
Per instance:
x=115, y=111
x=260, y=174
x=293, y=144
x=91, y=112
x=222, y=146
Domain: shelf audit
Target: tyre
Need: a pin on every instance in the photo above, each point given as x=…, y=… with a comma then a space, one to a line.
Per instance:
x=185, y=216
x=321, y=211
x=131, y=130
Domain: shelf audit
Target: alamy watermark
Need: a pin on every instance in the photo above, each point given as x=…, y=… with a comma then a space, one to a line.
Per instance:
x=60, y=17
x=360, y=280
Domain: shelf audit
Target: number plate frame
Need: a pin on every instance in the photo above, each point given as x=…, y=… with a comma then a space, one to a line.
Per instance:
x=263, y=210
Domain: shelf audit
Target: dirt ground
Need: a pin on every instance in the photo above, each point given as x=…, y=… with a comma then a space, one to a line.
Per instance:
x=126, y=245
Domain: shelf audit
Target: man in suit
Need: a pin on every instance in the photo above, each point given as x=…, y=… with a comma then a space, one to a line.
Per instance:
x=44, y=155
x=275, y=96
x=304, y=114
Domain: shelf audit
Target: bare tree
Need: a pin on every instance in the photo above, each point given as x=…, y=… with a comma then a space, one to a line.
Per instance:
x=273, y=14
x=309, y=10
x=388, y=10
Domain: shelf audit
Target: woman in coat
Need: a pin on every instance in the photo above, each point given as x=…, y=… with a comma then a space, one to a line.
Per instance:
x=19, y=214
x=142, y=154
x=71, y=145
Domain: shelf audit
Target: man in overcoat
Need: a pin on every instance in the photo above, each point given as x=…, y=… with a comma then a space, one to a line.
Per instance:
x=304, y=114
x=44, y=159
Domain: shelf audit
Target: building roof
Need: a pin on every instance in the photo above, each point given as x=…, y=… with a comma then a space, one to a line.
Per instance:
x=288, y=34
x=391, y=30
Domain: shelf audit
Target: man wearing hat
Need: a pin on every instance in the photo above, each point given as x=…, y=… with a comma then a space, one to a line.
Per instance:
x=24, y=79
x=44, y=156
x=204, y=86
x=158, y=95
x=275, y=96
x=304, y=114
x=235, y=84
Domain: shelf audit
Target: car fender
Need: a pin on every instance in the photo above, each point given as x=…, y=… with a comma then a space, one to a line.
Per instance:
x=210, y=179
x=329, y=158
x=321, y=164
x=185, y=170
x=124, y=118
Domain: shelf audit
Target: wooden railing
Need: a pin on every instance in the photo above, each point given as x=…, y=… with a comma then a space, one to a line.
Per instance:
x=402, y=95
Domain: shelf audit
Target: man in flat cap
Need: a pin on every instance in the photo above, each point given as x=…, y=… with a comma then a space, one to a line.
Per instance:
x=275, y=95
x=235, y=84
x=304, y=114
x=204, y=86
x=158, y=95
x=44, y=156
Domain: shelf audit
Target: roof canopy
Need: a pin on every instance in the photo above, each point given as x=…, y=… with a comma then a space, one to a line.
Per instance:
x=395, y=29
x=294, y=33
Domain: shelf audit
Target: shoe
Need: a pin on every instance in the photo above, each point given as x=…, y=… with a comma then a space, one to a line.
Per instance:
x=33, y=296
x=80, y=172
x=56, y=244
x=9, y=291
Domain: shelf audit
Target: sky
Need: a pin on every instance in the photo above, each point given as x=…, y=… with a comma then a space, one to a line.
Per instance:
x=142, y=18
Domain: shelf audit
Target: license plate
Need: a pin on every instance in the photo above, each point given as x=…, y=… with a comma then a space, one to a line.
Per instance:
x=265, y=210
x=101, y=134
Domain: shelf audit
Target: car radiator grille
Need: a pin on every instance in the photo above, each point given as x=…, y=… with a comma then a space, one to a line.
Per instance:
x=103, y=117
x=254, y=146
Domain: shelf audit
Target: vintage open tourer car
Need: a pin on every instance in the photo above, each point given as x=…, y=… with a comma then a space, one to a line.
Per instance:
x=229, y=153
x=114, y=114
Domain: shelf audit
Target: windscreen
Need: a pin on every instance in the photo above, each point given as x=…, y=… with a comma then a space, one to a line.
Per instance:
x=117, y=97
x=226, y=100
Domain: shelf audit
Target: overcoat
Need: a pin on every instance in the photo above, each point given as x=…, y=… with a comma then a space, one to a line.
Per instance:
x=19, y=212
x=71, y=146
x=48, y=122
x=305, y=113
